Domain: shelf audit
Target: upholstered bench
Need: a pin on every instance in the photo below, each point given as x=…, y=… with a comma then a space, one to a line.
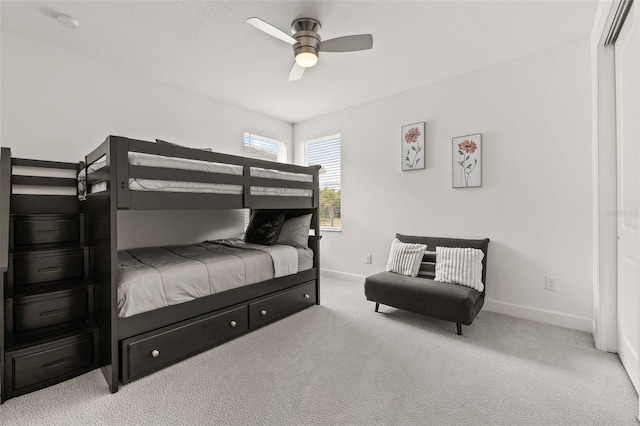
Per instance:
x=422, y=294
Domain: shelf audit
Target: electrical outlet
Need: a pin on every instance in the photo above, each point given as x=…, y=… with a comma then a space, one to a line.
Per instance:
x=368, y=259
x=551, y=283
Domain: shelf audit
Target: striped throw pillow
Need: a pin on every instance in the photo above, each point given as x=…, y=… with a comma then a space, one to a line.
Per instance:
x=405, y=258
x=460, y=265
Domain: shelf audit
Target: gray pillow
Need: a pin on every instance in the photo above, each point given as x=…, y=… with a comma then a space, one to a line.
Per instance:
x=295, y=231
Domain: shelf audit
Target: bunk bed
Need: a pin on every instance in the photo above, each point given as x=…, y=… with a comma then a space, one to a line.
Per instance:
x=127, y=174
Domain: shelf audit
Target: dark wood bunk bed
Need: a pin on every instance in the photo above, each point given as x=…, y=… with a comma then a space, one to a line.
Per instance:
x=134, y=346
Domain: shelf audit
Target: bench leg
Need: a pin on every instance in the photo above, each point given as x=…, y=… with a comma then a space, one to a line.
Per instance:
x=377, y=306
x=459, y=327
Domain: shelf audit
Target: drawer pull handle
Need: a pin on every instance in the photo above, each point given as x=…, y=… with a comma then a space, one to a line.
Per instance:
x=56, y=363
x=53, y=312
x=263, y=312
x=155, y=353
x=51, y=269
x=306, y=296
x=233, y=323
x=48, y=231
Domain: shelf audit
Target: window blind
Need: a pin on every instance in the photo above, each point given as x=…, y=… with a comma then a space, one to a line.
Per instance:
x=326, y=153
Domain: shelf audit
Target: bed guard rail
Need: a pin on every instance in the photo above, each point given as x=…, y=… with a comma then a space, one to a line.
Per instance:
x=118, y=171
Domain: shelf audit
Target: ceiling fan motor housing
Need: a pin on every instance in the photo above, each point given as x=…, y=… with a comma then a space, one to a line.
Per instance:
x=305, y=31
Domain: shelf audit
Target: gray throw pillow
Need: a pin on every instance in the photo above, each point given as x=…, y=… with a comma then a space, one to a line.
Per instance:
x=295, y=231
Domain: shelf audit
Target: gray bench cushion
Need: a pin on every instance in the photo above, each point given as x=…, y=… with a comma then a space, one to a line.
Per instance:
x=449, y=302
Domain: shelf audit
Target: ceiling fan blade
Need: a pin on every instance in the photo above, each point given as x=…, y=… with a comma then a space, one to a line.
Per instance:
x=271, y=30
x=296, y=72
x=350, y=43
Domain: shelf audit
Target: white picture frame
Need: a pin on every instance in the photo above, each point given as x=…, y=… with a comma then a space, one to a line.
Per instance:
x=413, y=146
x=466, y=162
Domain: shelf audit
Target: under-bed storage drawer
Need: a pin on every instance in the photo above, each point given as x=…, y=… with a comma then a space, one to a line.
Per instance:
x=43, y=311
x=40, y=269
x=282, y=304
x=149, y=352
x=45, y=230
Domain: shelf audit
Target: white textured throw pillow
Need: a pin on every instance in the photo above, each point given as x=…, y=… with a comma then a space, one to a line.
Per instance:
x=460, y=265
x=405, y=258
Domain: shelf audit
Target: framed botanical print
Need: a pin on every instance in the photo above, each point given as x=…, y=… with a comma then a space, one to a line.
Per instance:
x=467, y=161
x=413, y=146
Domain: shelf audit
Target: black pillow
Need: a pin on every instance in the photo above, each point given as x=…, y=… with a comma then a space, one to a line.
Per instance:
x=264, y=228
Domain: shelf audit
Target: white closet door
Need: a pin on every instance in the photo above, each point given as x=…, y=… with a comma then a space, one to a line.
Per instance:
x=627, y=59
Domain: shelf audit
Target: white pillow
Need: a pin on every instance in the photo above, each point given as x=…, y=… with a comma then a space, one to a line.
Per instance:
x=405, y=258
x=460, y=265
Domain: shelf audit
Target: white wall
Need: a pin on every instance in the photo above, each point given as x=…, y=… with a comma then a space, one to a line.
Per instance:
x=58, y=105
x=535, y=202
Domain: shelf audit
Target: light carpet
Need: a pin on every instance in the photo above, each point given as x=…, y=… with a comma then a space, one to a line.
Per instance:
x=342, y=363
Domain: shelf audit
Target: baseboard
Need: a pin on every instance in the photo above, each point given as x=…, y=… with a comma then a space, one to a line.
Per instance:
x=540, y=315
x=342, y=276
x=519, y=311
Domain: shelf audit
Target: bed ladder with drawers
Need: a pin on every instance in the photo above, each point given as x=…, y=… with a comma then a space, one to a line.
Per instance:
x=48, y=332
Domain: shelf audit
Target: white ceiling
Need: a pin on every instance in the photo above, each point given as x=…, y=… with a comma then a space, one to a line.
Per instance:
x=206, y=46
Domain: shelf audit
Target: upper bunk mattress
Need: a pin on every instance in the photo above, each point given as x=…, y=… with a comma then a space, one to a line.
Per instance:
x=155, y=277
x=154, y=185
x=152, y=160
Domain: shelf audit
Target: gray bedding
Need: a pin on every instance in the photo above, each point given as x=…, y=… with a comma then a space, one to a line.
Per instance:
x=155, y=277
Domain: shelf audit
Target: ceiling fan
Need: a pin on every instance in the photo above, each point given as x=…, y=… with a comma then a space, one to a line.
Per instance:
x=307, y=43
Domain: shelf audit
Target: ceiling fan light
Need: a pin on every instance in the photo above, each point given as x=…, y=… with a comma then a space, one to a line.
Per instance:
x=306, y=59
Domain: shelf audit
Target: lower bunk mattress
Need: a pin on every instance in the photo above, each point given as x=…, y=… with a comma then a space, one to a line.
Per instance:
x=155, y=277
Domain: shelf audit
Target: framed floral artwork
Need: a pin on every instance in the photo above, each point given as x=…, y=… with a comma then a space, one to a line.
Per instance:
x=413, y=146
x=467, y=161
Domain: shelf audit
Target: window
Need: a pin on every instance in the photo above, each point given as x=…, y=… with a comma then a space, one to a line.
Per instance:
x=326, y=153
x=263, y=149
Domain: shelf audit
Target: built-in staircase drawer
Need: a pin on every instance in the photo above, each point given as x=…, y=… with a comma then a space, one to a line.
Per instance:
x=281, y=305
x=40, y=366
x=46, y=231
x=29, y=314
x=40, y=269
x=152, y=351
